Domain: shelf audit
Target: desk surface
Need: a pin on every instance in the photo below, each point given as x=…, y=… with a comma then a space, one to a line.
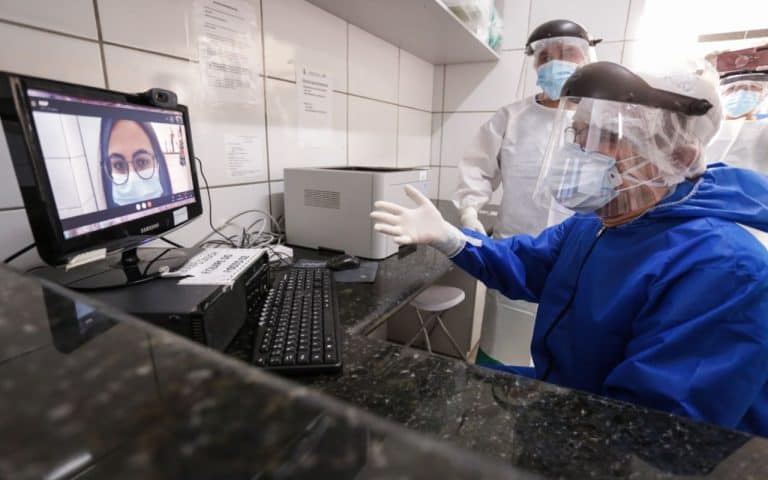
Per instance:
x=117, y=398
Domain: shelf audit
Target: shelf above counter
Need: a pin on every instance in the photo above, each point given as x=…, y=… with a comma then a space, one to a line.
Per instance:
x=425, y=28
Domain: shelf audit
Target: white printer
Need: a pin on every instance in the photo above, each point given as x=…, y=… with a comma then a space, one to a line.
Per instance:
x=330, y=207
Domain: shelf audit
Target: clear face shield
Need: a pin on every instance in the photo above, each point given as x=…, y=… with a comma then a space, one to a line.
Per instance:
x=613, y=158
x=555, y=59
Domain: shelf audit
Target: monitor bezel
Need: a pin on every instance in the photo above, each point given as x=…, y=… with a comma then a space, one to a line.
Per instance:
x=34, y=184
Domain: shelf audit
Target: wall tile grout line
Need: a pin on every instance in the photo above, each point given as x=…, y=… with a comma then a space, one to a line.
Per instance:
x=266, y=116
x=48, y=30
x=626, y=29
x=346, y=70
x=101, y=43
x=151, y=52
x=397, y=113
x=442, y=131
x=12, y=209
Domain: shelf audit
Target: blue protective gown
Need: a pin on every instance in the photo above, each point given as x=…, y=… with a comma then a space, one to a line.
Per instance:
x=669, y=311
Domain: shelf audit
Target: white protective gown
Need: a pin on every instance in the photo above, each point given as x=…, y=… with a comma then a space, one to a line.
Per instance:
x=509, y=150
x=742, y=143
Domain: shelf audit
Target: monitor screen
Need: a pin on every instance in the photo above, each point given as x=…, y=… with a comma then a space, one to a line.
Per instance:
x=109, y=163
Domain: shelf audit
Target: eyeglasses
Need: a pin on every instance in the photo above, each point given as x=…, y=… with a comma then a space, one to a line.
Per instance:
x=579, y=136
x=118, y=168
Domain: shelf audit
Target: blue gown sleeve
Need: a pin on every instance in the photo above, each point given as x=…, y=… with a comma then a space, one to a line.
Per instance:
x=699, y=347
x=517, y=266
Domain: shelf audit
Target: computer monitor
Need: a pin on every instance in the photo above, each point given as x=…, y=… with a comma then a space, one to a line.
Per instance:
x=99, y=171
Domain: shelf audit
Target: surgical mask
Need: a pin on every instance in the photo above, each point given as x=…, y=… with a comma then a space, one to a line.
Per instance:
x=552, y=76
x=136, y=189
x=741, y=102
x=583, y=181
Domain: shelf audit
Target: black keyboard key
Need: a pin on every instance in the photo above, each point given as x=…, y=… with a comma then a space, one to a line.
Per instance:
x=297, y=324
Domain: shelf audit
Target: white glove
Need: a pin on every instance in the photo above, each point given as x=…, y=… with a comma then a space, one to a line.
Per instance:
x=421, y=225
x=470, y=221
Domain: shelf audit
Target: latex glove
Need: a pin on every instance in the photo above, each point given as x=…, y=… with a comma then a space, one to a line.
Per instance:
x=470, y=221
x=420, y=225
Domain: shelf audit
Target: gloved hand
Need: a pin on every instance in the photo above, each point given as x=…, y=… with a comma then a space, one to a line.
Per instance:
x=470, y=221
x=421, y=225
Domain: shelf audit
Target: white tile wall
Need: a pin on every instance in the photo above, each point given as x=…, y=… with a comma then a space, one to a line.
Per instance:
x=413, y=137
x=372, y=133
x=373, y=66
x=44, y=54
x=10, y=196
x=298, y=32
x=604, y=19
x=212, y=125
x=438, y=87
x=515, y=17
x=164, y=30
x=636, y=9
x=434, y=182
x=415, y=84
x=459, y=130
x=436, y=130
x=73, y=16
x=287, y=147
x=449, y=180
x=278, y=206
x=483, y=86
x=14, y=236
x=227, y=202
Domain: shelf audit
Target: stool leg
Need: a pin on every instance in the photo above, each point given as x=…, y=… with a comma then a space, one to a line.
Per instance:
x=420, y=332
x=424, y=330
x=450, y=337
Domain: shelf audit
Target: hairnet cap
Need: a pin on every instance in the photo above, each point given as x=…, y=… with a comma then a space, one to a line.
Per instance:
x=559, y=28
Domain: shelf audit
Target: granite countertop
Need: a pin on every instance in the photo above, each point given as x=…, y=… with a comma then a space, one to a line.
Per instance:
x=542, y=428
x=90, y=393
x=107, y=395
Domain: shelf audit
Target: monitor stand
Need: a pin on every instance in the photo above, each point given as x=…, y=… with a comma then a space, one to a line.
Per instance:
x=132, y=267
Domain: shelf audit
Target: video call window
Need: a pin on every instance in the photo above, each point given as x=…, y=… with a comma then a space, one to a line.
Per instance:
x=111, y=163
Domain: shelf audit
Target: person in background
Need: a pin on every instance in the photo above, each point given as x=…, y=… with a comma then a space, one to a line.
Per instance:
x=743, y=138
x=656, y=290
x=132, y=163
x=507, y=152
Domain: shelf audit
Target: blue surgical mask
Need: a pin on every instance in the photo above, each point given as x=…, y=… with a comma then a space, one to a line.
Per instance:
x=552, y=75
x=136, y=189
x=583, y=181
x=741, y=102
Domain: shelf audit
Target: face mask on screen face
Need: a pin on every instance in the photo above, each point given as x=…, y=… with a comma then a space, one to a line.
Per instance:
x=136, y=189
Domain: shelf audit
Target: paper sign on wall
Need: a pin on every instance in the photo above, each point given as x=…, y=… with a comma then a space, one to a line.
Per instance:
x=244, y=155
x=315, y=104
x=226, y=40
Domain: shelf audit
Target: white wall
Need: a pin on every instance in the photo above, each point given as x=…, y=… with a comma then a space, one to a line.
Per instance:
x=466, y=95
x=381, y=108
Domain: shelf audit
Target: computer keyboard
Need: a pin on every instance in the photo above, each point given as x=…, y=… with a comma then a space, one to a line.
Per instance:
x=298, y=328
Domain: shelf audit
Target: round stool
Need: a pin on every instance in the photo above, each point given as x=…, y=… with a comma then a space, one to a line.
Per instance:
x=436, y=300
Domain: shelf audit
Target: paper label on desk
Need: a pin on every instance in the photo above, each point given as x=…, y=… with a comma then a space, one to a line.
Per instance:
x=216, y=266
x=315, y=104
x=226, y=32
x=244, y=155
